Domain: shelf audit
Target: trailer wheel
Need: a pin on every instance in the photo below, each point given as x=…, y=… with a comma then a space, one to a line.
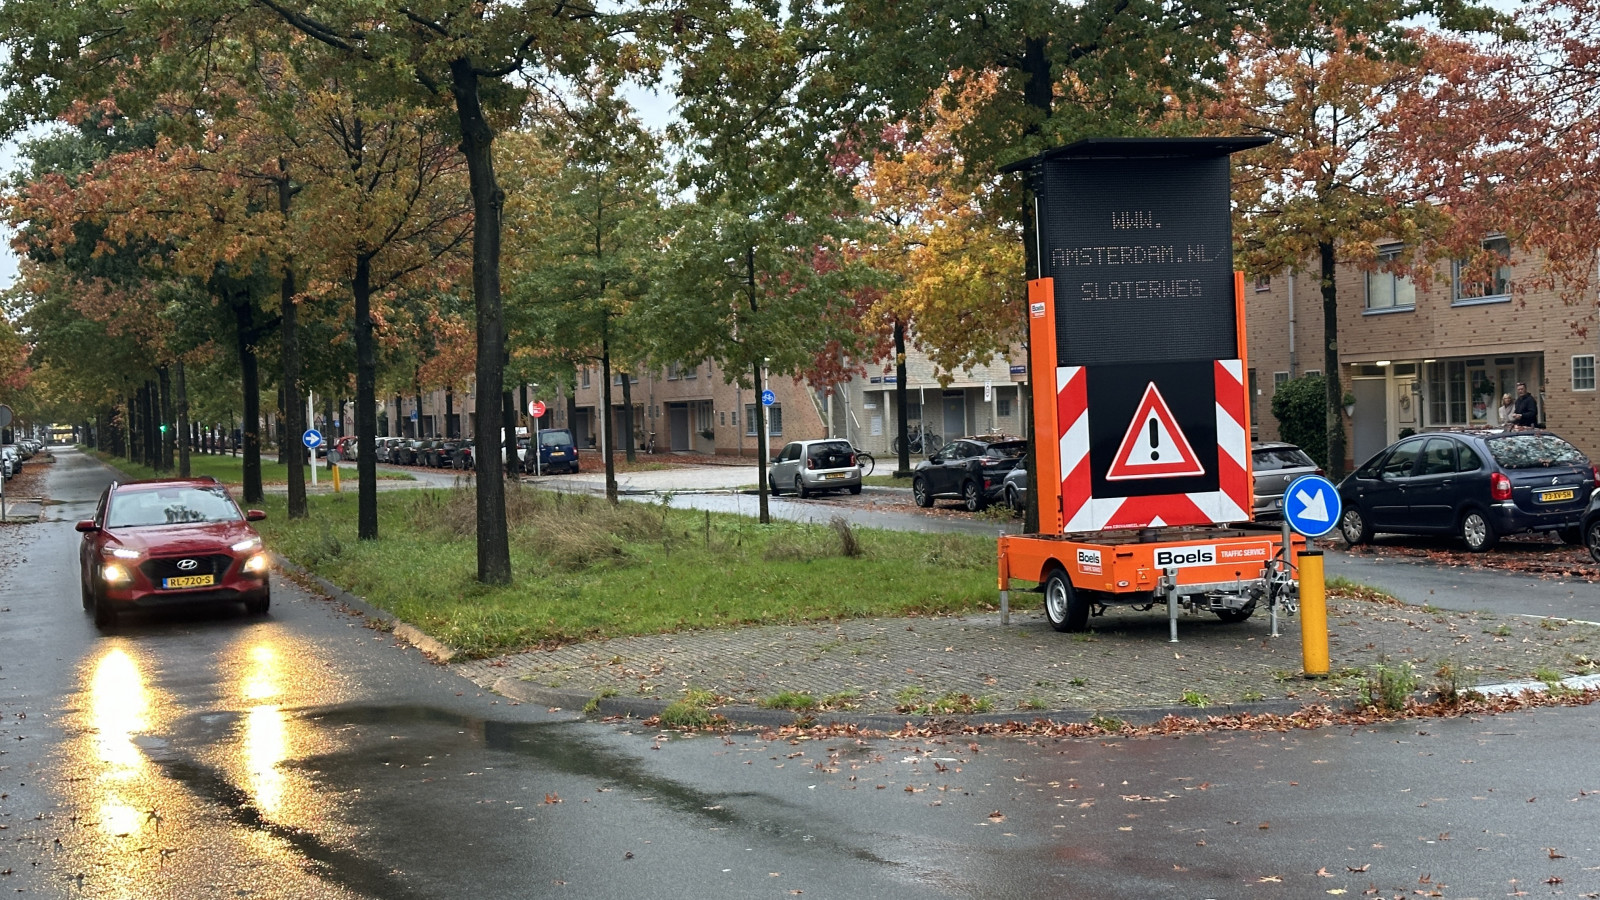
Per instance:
x=1065, y=608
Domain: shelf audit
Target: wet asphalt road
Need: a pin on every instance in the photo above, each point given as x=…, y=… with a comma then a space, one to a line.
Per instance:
x=212, y=754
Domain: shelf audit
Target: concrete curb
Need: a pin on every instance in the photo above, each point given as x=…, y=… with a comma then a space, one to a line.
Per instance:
x=411, y=634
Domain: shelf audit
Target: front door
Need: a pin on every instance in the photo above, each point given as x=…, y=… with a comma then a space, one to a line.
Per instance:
x=1370, y=419
x=955, y=418
x=678, y=424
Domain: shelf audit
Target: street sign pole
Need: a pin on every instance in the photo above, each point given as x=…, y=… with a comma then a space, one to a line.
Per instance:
x=311, y=451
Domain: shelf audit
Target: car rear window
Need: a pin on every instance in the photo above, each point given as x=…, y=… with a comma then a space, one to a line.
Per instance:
x=832, y=454
x=1008, y=450
x=1534, y=451
x=555, y=438
x=1274, y=458
x=171, y=506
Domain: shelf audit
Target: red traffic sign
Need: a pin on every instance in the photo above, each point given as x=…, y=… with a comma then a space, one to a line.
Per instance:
x=536, y=409
x=1154, y=446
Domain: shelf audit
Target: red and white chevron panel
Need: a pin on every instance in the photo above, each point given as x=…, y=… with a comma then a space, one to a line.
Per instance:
x=1081, y=511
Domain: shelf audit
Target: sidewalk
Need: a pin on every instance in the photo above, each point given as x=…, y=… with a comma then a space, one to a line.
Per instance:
x=893, y=669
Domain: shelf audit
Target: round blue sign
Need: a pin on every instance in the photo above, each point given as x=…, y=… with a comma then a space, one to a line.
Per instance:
x=1311, y=505
x=312, y=438
x=768, y=398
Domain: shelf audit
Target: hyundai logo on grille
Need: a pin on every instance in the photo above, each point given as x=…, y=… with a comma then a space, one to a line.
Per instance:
x=188, y=564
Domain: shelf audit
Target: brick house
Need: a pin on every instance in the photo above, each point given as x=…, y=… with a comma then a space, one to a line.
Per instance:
x=1428, y=355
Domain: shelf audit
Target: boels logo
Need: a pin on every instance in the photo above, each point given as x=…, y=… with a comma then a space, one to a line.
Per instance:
x=1178, y=557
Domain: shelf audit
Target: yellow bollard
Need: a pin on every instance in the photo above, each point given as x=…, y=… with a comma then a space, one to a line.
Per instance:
x=1313, y=615
x=336, y=489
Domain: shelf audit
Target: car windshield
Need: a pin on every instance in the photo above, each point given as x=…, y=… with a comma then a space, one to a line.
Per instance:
x=1534, y=451
x=171, y=506
x=554, y=438
x=1273, y=458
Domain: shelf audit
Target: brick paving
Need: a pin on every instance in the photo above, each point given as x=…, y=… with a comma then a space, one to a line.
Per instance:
x=1026, y=668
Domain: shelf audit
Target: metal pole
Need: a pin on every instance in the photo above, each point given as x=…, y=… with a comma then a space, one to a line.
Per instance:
x=1172, y=603
x=311, y=452
x=538, y=452
x=1287, y=547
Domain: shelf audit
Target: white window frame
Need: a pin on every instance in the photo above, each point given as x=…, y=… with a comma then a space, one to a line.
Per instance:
x=1497, y=292
x=1263, y=283
x=1580, y=362
x=1278, y=379
x=774, y=420
x=1388, y=291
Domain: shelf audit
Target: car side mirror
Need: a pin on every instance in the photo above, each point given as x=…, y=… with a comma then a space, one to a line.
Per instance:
x=254, y=515
x=936, y=458
x=87, y=526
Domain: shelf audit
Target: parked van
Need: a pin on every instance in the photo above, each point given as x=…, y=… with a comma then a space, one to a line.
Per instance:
x=557, y=454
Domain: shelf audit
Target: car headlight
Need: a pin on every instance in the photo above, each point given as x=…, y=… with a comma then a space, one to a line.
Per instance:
x=111, y=573
x=247, y=544
x=120, y=553
x=259, y=564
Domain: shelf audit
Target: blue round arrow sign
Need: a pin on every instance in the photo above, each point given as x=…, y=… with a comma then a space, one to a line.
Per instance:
x=312, y=438
x=1311, y=505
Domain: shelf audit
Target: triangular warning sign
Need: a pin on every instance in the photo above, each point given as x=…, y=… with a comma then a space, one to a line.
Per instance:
x=1154, y=446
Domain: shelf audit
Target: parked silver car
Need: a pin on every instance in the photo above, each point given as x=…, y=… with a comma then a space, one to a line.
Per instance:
x=809, y=467
x=1276, y=464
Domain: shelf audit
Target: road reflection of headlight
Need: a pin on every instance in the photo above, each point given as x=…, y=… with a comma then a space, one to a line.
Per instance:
x=117, y=706
x=266, y=740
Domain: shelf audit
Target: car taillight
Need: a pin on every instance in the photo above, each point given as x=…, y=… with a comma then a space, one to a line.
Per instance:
x=1596, y=471
x=811, y=463
x=1318, y=472
x=1499, y=486
x=852, y=459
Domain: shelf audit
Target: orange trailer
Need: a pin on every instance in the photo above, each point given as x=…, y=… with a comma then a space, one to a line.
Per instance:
x=1142, y=472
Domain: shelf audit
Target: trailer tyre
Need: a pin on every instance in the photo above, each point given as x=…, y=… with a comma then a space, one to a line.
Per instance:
x=1236, y=615
x=1066, y=609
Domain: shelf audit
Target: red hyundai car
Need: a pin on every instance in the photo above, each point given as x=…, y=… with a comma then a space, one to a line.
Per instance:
x=167, y=542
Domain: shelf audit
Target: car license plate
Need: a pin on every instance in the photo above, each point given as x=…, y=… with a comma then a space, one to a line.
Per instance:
x=557, y=454
x=832, y=475
x=189, y=581
x=1552, y=496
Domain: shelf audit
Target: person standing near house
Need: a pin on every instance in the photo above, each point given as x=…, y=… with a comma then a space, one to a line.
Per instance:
x=1526, y=412
x=1507, y=409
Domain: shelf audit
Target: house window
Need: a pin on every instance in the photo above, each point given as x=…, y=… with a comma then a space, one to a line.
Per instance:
x=774, y=419
x=691, y=373
x=1447, y=393
x=1583, y=372
x=672, y=371
x=1469, y=286
x=585, y=376
x=1003, y=406
x=1278, y=378
x=1311, y=373
x=1263, y=283
x=1387, y=290
x=702, y=417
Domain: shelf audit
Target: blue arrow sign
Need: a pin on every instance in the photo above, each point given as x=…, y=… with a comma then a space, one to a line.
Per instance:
x=312, y=438
x=1311, y=505
x=768, y=398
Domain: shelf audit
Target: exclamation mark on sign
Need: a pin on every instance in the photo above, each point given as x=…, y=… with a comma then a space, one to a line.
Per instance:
x=1155, y=440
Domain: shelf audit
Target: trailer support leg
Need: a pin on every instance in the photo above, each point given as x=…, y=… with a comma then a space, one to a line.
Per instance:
x=1172, y=603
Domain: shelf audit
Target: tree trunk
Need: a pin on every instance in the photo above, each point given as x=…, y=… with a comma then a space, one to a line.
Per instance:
x=1038, y=93
x=629, y=442
x=250, y=379
x=761, y=446
x=147, y=422
x=366, y=404
x=290, y=448
x=901, y=401
x=183, y=422
x=449, y=412
x=508, y=433
x=607, y=439
x=168, y=436
x=1330, y=363
x=477, y=140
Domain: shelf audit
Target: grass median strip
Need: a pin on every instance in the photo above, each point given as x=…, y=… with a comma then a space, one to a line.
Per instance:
x=584, y=569
x=230, y=470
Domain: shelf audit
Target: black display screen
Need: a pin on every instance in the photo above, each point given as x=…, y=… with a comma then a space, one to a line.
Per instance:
x=1141, y=251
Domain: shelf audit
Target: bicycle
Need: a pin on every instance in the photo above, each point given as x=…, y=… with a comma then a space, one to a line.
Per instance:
x=919, y=441
x=866, y=461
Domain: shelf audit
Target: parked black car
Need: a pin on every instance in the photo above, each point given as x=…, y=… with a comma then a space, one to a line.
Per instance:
x=1481, y=485
x=1591, y=526
x=972, y=468
x=442, y=455
x=407, y=453
x=461, y=456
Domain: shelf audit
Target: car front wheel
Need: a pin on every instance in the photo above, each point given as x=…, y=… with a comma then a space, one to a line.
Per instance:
x=920, y=492
x=1353, y=526
x=1477, y=532
x=1591, y=539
